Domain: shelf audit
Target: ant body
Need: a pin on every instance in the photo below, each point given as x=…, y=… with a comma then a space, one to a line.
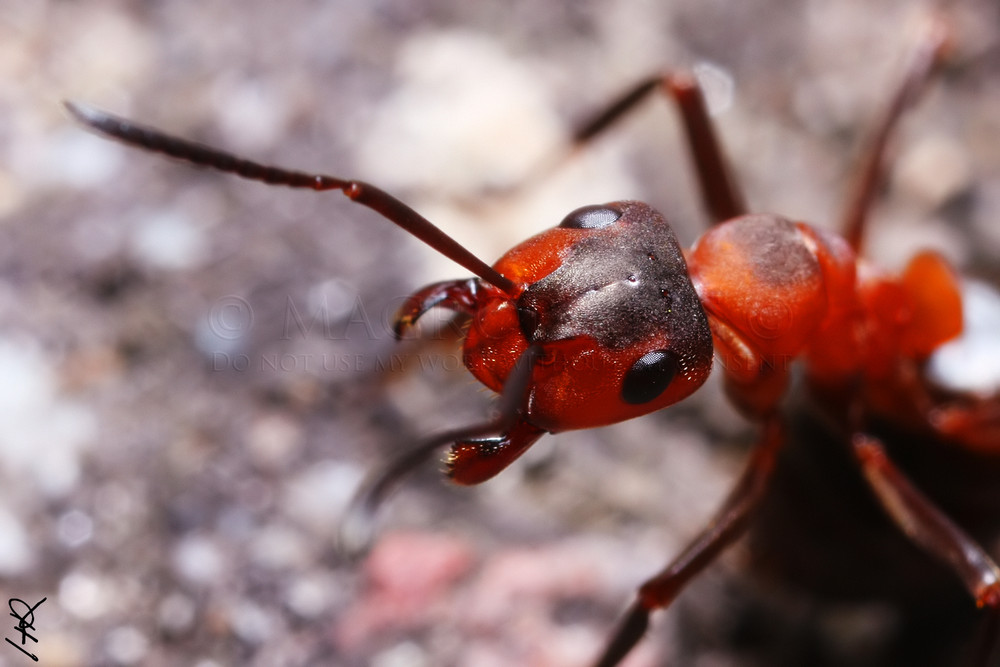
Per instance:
x=604, y=318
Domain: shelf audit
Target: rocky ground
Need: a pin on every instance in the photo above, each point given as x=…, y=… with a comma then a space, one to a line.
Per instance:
x=197, y=371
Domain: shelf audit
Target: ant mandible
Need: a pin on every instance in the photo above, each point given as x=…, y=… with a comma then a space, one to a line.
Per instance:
x=604, y=318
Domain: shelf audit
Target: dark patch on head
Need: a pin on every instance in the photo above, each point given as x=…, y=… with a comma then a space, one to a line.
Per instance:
x=622, y=284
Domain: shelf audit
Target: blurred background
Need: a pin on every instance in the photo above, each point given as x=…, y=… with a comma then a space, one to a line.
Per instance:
x=197, y=371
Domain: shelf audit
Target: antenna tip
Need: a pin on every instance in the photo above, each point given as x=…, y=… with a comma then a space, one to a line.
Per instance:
x=83, y=112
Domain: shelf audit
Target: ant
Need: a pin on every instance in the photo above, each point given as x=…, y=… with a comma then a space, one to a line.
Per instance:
x=605, y=317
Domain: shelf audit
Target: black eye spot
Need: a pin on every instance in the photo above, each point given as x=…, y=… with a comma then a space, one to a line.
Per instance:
x=591, y=217
x=649, y=377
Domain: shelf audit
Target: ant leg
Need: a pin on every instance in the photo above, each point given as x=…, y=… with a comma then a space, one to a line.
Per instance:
x=755, y=383
x=927, y=54
x=720, y=193
x=728, y=524
x=462, y=296
x=357, y=528
x=474, y=461
x=925, y=524
x=389, y=207
x=932, y=530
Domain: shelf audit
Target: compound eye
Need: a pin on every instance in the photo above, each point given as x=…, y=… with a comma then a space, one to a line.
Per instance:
x=591, y=217
x=649, y=377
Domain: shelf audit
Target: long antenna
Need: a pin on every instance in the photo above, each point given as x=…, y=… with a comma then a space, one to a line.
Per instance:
x=389, y=207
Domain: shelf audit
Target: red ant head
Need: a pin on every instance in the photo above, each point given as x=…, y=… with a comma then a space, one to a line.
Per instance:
x=608, y=298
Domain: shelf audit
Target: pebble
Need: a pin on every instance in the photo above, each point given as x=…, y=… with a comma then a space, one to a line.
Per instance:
x=176, y=613
x=199, y=559
x=168, y=240
x=253, y=115
x=75, y=528
x=278, y=547
x=466, y=111
x=934, y=169
x=63, y=648
x=126, y=645
x=16, y=553
x=35, y=417
x=252, y=623
x=12, y=195
x=332, y=300
x=86, y=596
x=310, y=595
x=80, y=160
x=273, y=441
x=318, y=496
x=406, y=654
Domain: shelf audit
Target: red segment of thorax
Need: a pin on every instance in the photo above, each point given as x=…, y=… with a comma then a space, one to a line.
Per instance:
x=760, y=275
x=774, y=290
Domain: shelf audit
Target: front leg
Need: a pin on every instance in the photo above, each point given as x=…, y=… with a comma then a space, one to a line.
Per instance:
x=474, y=461
x=462, y=296
x=728, y=524
x=753, y=382
x=356, y=531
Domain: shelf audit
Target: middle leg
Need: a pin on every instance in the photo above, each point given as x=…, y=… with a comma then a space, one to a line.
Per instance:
x=720, y=193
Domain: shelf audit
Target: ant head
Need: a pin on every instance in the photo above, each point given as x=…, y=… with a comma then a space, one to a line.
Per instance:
x=610, y=301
